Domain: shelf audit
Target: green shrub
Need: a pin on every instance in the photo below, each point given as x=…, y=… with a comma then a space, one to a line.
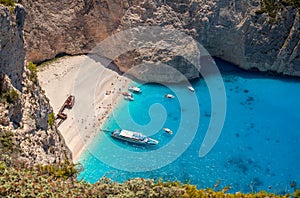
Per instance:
x=33, y=72
x=10, y=96
x=273, y=6
x=261, y=11
x=24, y=181
x=7, y=142
x=13, y=96
x=7, y=2
x=51, y=119
x=294, y=3
x=62, y=170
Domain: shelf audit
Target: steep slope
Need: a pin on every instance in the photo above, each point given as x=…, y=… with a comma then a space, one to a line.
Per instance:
x=24, y=109
x=71, y=27
x=236, y=31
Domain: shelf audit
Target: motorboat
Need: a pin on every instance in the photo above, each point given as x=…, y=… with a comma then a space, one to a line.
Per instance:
x=133, y=137
x=168, y=130
x=135, y=89
x=127, y=94
x=191, y=88
x=130, y=98
x=169, y=96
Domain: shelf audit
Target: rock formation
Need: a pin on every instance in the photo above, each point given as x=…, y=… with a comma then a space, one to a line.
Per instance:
x=24, y=109
x=11, y=40
x=234, y=31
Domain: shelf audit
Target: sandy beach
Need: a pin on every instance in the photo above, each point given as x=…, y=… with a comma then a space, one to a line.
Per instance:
x=96, y=89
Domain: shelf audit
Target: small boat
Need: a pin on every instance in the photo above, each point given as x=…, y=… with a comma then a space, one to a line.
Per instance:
x=129, y=98
x=168, y=130
x=135, y=89
x=169, y=96
x=191, y=88
x=127, y=94
x=133, y=137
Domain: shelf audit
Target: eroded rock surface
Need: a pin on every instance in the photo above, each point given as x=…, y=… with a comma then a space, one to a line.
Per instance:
x=24, y=109
x=12, y=44
x=231, y=30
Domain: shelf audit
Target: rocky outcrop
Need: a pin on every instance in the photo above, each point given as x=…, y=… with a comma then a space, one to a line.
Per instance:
x=232, y=30
x=11, y=41
x=251, y=40
x=24, y=109
x=69, y=27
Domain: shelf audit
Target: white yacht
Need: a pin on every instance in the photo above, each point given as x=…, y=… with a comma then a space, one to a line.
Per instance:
x=133, y=137
x=135, y=89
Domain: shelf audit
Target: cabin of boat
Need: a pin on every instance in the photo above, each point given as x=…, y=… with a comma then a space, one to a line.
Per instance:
x=133, y=137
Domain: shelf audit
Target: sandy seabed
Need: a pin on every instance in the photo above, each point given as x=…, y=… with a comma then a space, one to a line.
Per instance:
x=97, y=91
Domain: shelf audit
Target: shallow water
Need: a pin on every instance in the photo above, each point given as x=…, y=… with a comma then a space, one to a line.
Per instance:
x=258, y=148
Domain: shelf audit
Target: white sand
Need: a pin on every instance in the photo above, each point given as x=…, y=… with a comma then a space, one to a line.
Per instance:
x=89, y=81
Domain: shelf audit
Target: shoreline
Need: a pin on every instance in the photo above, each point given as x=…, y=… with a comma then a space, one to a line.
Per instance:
x=96, y=95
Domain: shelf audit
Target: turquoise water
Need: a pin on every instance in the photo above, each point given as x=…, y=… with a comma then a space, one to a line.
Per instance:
x=258, y=148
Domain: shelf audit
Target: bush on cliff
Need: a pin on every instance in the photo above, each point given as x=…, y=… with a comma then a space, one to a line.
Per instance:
x=7, y=142
x=10, y=96
x=20, y=180
x=7, y=2
x=273, y=6
x=294, y=3
x=33, y=72
x=51, y=120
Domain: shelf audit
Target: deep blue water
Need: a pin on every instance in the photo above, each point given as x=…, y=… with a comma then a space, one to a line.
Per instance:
x=258, y=148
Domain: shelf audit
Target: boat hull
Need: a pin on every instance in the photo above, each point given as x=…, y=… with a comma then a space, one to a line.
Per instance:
x=191, y=89
x=135, y=89
x=141, y=140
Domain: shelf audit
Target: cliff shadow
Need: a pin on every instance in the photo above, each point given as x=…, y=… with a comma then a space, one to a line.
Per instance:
x=106, y=62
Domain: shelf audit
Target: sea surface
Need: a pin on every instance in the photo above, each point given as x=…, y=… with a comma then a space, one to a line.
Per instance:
x=258, y=148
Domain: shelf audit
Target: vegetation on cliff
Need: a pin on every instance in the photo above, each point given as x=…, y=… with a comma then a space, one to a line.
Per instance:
x=7, y=2
x=51, y=120
x=8, y=145
x=9, y=96
x=273, y=6
x=33, y=72
x=40, y=181
x=17, y=179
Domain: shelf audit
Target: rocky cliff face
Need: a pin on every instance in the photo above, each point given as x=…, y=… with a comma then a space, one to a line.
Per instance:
x=71, y=27
x=229, y=29
x=11, y=40
x=24, y=109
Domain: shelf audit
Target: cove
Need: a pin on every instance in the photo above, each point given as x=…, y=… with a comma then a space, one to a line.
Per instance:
x=258, y=148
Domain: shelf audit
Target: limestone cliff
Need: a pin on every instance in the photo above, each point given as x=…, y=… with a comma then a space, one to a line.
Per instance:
x=11, y=39
x=24, y=109
x=233, y=30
